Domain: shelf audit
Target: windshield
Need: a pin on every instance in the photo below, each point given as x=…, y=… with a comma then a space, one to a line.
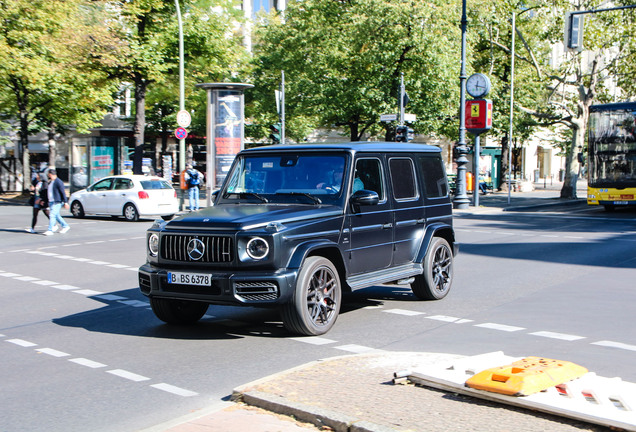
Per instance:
x=310, y=178
x=612, y=141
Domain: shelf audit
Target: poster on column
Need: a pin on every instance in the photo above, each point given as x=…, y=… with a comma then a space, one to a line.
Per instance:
x=228, y=131
x=102, y=162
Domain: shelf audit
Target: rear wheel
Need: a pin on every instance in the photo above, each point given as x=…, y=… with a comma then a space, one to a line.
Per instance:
x=77, y=210
x=315, y=305
x=130, y=213
x=437, y=278
x=180, y=312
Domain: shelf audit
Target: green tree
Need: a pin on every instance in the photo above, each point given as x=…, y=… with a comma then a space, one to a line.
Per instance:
x=48, y=75
x=212, y=52
x=343, y=61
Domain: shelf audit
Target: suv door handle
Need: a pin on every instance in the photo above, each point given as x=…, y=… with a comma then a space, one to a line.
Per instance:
x=421, y=221
x=387, y=225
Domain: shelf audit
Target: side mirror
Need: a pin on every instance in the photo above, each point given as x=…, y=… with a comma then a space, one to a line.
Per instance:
x=364, y=198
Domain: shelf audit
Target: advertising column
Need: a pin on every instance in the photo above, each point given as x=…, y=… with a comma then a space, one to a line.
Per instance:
x=225, y=127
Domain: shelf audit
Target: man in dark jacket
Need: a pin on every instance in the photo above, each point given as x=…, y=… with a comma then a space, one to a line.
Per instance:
x=57, y=198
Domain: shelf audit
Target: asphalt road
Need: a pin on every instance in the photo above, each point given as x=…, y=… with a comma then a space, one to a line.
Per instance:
x=81, y=350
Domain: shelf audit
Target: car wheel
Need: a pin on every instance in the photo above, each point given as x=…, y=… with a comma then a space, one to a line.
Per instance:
x=167, y=218
x=315, y=304
x=180, y=312
x=130, y=213
x=437, y=278
x=77, y=210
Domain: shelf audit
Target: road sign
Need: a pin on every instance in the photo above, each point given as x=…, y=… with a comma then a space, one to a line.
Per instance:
x=181, y=133
x=410, y=118
x=183, y=118
x=388, y=117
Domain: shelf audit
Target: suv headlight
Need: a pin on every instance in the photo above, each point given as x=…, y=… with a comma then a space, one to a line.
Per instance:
x=153, y=244
x=257, y=248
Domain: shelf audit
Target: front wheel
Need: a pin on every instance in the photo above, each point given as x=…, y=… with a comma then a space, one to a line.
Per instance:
x=179, y=312
x=315, y=304
x=130, y=213
x=437, y=278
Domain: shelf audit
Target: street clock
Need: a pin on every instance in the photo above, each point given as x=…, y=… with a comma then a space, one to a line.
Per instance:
x=478, y=85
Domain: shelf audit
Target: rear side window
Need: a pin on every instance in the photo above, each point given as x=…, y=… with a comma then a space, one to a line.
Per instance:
x=434, y=175
x=403, y=178
x=155, y=184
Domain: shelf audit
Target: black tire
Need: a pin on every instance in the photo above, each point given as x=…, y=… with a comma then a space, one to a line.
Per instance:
x=130, y=213
x=77, y=210
x=315, y=304
x=167, y=217
x=179, y=312
x=437, y=278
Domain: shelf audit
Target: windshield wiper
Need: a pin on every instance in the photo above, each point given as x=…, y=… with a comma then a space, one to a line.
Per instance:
x=305, y=194
x=244, y=194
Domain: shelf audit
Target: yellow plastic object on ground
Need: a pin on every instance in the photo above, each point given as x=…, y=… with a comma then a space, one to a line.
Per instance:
x=525, y=377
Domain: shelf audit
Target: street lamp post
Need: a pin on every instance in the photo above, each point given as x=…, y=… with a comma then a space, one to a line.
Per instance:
x=181, y=86
x=461, y=200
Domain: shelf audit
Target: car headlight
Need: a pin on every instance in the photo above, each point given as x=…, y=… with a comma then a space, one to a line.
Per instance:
x=257, y=248
x=153, y=244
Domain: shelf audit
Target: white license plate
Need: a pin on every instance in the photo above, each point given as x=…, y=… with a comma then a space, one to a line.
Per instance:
x=180, y=278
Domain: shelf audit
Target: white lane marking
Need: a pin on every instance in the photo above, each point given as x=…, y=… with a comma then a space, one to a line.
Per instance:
x=26, y=278
x=114, y=240
x=64, y=257
x=9, y=274
x=403, y=312
x=72, y=244
x=128, y=375
x=442, y=318
x=45, y=282
x=52, y=352
x=463, y=321
x=98, y=262
x=82, y=259
x=65, y=287
x=358, y=349
x=501, y=327
x=110, y=297
x=612, y=344
x=133, y=268
x=88, y=292
x=560, y=336
x=314, y=340
x=51, y=254
x=549, y=235
x=88, y=363
x=134, y=303
x=118, y=266
x=21, y=342
x=95, y=242
x=175, y=390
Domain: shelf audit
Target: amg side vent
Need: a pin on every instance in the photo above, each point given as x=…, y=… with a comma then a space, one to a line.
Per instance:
x=256, y=291
x=216, y=249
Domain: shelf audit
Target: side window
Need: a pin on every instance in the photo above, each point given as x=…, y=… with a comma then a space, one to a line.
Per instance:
x=434, y=175
x=368, y=176
x=403, y=178
x=123, y=184
x=103, y=185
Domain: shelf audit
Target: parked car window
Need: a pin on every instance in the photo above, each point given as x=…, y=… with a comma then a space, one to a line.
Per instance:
x=123, y=184
x=103, y=184
x=434, y=177
x=403, y=178
x=368, y=176
x=155, y=184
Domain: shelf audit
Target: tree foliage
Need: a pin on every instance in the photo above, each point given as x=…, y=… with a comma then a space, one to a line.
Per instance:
x=343, y=61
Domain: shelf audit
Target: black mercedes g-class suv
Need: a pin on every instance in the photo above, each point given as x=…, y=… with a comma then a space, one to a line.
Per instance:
x=294, y=226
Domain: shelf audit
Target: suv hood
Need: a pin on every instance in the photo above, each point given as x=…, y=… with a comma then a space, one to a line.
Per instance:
x=244, y=216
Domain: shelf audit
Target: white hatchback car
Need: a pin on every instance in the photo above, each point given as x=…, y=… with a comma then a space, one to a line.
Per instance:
x=130, y=196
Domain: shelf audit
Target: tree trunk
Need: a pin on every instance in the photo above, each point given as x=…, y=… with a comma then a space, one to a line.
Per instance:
x=52, y=145
x=568, y=191
x=140, y=122
x=505, y=169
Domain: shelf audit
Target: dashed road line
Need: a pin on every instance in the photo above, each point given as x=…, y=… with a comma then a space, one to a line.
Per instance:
x=131, y=376
x=357, y=349
x=612, y=344
x=560, y=336
x=501, y=327
x=403, y=312
x=314, y=340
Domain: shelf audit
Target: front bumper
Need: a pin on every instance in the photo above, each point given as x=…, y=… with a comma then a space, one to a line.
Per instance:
x=253, y=288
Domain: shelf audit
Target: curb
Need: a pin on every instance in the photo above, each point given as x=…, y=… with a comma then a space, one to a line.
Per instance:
x=545, y=205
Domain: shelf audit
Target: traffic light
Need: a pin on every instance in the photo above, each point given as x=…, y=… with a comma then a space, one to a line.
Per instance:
x=275, y=133
x=404, y=134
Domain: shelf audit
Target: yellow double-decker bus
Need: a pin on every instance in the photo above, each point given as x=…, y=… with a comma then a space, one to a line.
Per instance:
x=611, y=168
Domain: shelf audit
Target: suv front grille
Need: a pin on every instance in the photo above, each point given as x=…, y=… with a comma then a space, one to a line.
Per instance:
x=217, y=249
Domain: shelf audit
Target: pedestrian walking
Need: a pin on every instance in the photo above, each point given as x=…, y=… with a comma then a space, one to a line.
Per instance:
x=40, y=200
x=57, y=198
x=193, y=179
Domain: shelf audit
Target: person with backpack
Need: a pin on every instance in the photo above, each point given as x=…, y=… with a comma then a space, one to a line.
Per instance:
x=193, y=179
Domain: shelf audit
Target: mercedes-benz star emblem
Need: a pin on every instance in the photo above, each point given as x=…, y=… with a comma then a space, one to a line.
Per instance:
x=196, y=249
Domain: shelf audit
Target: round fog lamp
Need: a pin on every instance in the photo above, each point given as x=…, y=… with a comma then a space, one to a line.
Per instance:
x=257, y=248
x=153, y=244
